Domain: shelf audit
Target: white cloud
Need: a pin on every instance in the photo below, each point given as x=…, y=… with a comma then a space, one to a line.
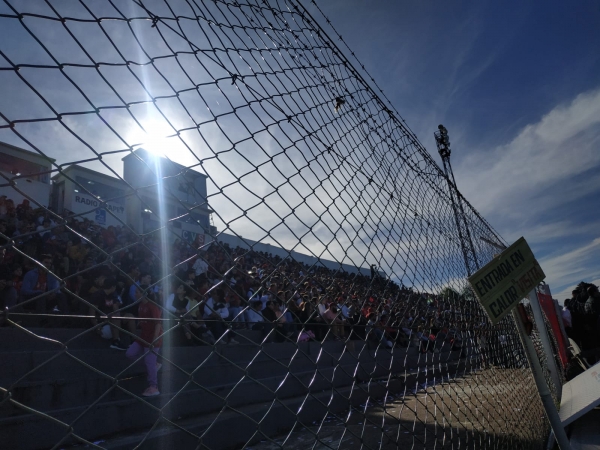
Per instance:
x=551, y=231
x=577, y=264
x=509, y=179
x=528, y=187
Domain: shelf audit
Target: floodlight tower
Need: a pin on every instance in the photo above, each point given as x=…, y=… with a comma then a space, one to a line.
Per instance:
x=466, y=243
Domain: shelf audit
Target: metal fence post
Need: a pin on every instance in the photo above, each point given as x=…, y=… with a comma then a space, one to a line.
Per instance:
x=538, y=376
x=543, y=331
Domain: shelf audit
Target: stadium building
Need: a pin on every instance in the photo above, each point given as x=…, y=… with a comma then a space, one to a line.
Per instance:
x=166, y=190
x=152, y=187
x=80, y=191
x=24, y=175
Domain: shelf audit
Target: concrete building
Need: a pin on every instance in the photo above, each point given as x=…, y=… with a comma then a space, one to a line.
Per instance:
x=30, y=172
x=152, y=188
x=81, y=191
x=166, y=191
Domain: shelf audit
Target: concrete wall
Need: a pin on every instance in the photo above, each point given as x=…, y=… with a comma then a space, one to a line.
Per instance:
x=35, y=191
x=74, y=198
x=236, y=241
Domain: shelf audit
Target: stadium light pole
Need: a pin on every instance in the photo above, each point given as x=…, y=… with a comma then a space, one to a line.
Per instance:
x=466, y=242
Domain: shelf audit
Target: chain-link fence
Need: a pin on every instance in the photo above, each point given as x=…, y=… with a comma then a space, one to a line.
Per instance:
x=218, y=234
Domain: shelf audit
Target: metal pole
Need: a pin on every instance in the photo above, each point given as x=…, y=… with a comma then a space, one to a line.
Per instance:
x=443, y=144
x=543, y=331
x=457, y=220
x=545, y=395
x=566, y=339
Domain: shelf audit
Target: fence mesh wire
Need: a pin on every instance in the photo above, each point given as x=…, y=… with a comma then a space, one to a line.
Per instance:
x=216, y=189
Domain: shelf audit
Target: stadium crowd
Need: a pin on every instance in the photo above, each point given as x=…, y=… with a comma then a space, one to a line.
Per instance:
x=80, y=274
x=216, y=289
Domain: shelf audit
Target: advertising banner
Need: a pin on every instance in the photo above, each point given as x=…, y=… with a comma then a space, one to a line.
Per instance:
x=99, y=213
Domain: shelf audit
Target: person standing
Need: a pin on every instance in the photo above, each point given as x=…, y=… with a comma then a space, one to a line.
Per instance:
x=150, y=340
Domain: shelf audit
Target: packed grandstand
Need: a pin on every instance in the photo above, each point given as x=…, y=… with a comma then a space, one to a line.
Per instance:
x=235, y=285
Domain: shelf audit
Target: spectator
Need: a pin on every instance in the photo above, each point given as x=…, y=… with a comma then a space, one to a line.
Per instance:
x=335, y=322
x=144, y=279
x=106, y=301
x=77, y=252
x=44, y=228
x=200, y=266
x=275, y=322
x=9, y=283
x=255, y=318
x=237, y=314
x=23, y=210
x=43, y=286
x=197, y=325
x=215, y=313
x=177, y=303
x=374, y=330
x=150, y=340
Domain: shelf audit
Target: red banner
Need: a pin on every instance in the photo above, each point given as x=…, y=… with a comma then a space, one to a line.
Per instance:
x=550, y=311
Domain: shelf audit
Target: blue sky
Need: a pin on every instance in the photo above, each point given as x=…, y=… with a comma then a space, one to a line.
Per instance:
x=517, y=84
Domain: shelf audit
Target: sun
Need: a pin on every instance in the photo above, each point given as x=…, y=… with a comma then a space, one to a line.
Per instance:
x=156, y=136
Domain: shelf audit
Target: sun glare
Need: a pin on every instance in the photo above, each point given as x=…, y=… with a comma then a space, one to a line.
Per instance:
x=157, y=137
x=156, y=142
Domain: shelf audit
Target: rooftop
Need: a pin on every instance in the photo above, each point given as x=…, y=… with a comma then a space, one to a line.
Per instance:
x=75, y=167
x=144, y=154
x=28, y=153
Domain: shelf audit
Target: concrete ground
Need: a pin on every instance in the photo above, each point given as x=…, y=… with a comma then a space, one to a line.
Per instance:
x=488, y=409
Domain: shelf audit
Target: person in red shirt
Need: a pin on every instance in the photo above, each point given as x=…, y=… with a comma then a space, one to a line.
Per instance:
x=150, y=340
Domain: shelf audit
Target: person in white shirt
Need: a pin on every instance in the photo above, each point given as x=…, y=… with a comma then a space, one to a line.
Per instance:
x=200, y=267
x=215, y=313
x=215, y=309
x=322, y=307
x=177, y=301
x=264, y=299
x=44, y=227
x=343, y=309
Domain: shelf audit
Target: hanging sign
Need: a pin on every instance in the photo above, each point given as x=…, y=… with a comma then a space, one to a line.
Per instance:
x=505, y=280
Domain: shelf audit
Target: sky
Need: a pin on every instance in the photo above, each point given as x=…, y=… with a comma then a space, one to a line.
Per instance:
x=517, y=85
